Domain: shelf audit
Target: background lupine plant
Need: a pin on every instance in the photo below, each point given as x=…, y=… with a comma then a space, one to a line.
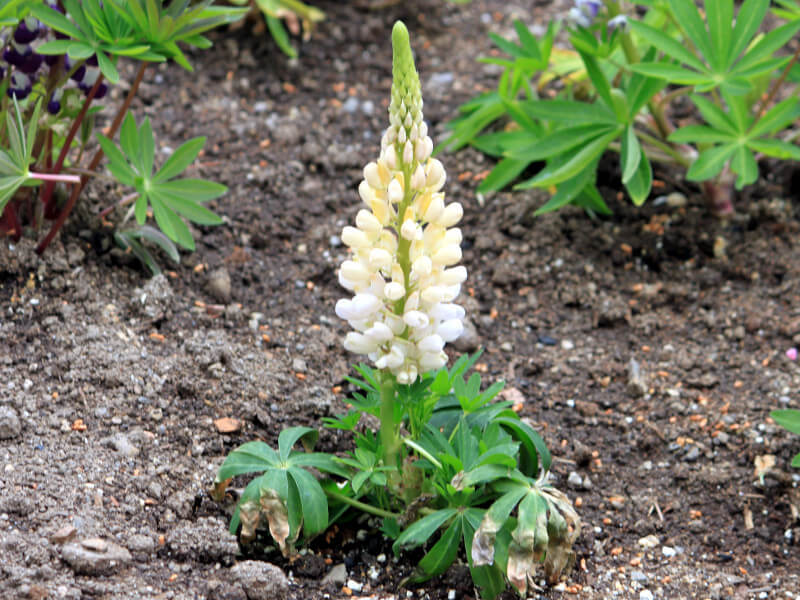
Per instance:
x=624, y=87
x=450, y=469
x=58, y=59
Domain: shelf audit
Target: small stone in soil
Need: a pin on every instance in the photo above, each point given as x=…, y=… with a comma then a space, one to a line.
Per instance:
x=10, y=426
x=261, y=580
x=645, y=595
x=86, y=558
x=546, y=340
x=336, y=576
x=355, y=585
x=218, y=285
x=648, y=542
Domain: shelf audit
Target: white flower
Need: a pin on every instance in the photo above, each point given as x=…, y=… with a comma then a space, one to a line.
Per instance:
x=404, y=250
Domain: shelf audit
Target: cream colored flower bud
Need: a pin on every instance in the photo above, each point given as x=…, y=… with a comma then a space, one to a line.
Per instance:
x=367, y=222
x=394, y=359
x=372, y=175
x=380, y=333
x=366, y=192
x=446, y=256
x=452, y=236
x=413, y=133
x=451, y=215
x=424, y=148
x=455, y=276
x=358, y=343
x=432, y=343
x=390, y=157
x=408, y=121
x=432, y=361
x=434, y=174
x=408, y=152
x=411, y=230
x=446, y=312
x=394, y=291
x=416, y=319
x=418, y=180
x=395, y=191
x=435, y=208
x=422, y=266
x=423, y=128
x=433, y=294
x=354, y=271
x=450, y=330
x=379, y=258
x=401, y=136
x=354, y=238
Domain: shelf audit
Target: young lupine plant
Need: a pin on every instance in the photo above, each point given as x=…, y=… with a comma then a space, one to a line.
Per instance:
x=58, y=60
x=619, y=88
x=446, y=450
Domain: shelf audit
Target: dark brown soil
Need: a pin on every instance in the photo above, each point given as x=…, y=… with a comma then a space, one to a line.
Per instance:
x=116, y=380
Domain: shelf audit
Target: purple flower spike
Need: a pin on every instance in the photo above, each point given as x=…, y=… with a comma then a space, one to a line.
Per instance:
x=27, y=31
x=51, y=59
x=619, y=22
x=91, y=61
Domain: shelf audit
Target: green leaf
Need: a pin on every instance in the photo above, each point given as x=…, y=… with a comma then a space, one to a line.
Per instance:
x=198, y=190
x=280, y=36
x=248, y=458
x=107, y=67
x=558, y=142
x=312, y=499
x=710, y=162
x=631, y=154
x=443, y=552
x=419, y=531
x=78, y=51
x=788, y=419
x=180, y=159
x=55, y=20
x=667, y=45
x=778, y=117
x=719, y=14
x=171, y=224
x=561, y=171
x=55, y=47
x=598, y=78
x=568, y=190
x=700, y=134
x=129, y=141
x=569, y=112
x=8, y=187
x=672, y=73
x=714, y=115
x=744, y=165
x=767, y=45
x=152, y=234
x=534, y=455
x=642, y=181
x=642, y=88
x=190, y=209
x=503, y=173
x=748, y=20
x=288, y=437
x=775, y=148
x=119, y=165
x=688, y=17
x=147, y=147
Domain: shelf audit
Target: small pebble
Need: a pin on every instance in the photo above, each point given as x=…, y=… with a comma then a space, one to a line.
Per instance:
x=567, y=345
x=354, y=585
x=546, y=340
x=646, y=595
x=668, y=551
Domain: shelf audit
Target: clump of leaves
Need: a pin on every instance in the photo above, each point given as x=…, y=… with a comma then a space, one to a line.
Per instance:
x=617, y=90
x=61, y=59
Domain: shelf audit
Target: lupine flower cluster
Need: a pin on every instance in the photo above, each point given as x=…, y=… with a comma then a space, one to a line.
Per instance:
x=405, y=248
x=22, y=65
x=584, y=13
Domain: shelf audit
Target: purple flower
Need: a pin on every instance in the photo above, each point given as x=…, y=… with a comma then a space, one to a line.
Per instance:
x=588, y=7
x=27, y=30
x=20, y=86
x=23, y=57
x=619, y=22
x=54, y=104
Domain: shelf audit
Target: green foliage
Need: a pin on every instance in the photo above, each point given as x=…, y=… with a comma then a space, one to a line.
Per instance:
x=40, y=145
x=464, y=453
x=133, y=165
x=293, y=12
x=615, y=91
x=789, y=419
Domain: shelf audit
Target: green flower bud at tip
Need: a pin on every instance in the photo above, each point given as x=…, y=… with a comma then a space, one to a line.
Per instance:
x=406, y=89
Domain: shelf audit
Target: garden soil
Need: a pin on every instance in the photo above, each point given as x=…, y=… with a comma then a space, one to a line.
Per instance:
x=648, y=348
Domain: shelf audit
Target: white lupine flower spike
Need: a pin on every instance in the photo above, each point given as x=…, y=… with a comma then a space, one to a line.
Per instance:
x=404, y=246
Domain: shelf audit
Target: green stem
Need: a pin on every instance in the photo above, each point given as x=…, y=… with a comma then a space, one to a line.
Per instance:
x=666, y=148
x=388, y=433
x=379, y=512
x=632, y=55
